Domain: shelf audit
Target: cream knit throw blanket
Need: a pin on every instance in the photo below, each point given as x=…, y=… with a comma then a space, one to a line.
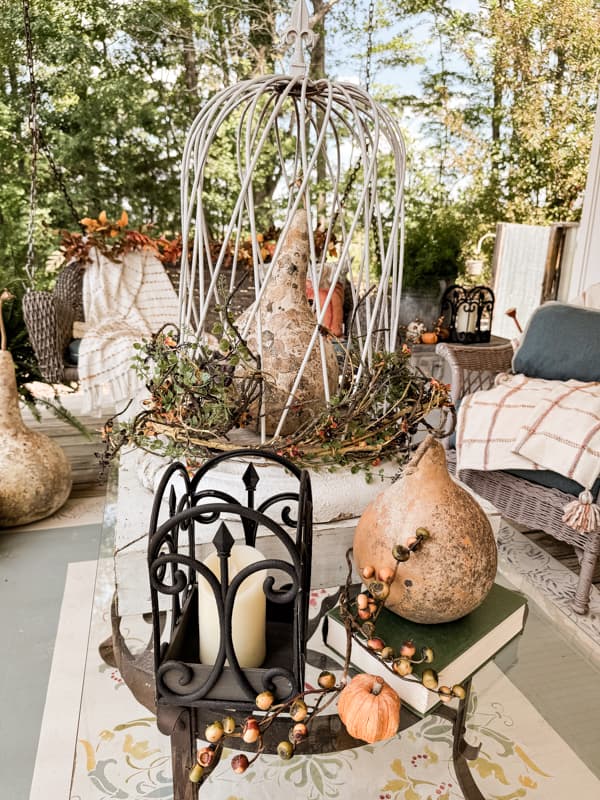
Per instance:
x=123, y=303
x=531, y=423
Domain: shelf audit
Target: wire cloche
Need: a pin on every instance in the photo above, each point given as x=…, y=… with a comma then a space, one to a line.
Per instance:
x=306, y=157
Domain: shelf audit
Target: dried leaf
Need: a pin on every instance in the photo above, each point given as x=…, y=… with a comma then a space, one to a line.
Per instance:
x=90, y=757
x=486, y=768
x=394, y=786
x=433, y=756
x=398, y=767
x=139, y=750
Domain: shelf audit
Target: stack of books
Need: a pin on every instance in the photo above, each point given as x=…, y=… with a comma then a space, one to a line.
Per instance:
x=460, y=648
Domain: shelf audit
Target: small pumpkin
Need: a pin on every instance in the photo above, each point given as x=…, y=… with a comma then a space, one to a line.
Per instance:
x=429, y=337
x=369, y=708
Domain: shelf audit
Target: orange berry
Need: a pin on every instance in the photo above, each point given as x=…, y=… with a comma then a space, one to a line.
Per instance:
x=386, y=574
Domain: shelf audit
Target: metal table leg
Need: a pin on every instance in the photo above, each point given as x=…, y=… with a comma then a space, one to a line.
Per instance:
x=177, y=723
x=462, y=751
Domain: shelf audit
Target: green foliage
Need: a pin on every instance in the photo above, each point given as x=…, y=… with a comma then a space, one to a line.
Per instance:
x=545, y=62
x=504, y=112
x=18, y=343
x=433, y=249
x=119, y=85
x=197, y=394
x=501, y=128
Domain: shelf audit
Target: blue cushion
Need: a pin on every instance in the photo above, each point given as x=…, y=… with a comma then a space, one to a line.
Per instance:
x=73, y=351
x=552, y=480
x=560, y=343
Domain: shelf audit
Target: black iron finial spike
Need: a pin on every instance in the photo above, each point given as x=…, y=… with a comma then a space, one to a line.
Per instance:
x=223, y=541
x=172, y=501
x=250, y=478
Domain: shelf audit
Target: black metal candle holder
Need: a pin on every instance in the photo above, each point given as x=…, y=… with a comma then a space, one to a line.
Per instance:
x=181, y=680
x=467, y=313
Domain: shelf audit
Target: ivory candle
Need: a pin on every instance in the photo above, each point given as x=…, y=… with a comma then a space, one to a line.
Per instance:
x=466, y=319
x=249, y=610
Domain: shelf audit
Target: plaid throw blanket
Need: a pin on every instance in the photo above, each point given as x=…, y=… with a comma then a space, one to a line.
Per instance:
x=531, y=423
x=123, y=303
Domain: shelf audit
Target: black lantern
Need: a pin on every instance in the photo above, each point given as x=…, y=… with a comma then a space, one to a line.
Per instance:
x=467, y=313
x=203, y=597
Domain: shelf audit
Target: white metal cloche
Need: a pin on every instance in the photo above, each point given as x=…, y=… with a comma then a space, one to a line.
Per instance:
x=325, y=145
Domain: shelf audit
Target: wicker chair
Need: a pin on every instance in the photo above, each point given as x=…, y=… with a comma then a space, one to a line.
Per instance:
x=520, y=500
x=49, y=317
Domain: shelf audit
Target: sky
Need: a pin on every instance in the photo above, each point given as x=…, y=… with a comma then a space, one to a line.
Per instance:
x=345, y=65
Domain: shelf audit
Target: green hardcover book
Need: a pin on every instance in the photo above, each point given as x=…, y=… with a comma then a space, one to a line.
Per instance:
x=460, y=648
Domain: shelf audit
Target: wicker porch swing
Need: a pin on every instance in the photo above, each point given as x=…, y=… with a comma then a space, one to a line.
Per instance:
x=121, y=292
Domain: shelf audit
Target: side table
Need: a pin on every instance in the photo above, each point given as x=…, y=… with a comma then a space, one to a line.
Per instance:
x=327, y=733
x=496, y=354
x=566, y=715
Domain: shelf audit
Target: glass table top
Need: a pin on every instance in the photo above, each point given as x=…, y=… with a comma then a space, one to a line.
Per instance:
x=552, y=688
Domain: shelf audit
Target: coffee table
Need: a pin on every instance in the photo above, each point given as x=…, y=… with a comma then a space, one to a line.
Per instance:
x=330, y=736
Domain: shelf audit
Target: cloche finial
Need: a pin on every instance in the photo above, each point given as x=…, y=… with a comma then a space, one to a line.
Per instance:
x=298, y=30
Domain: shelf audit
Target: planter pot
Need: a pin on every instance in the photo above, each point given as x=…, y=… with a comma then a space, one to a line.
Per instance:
x=452, y=570
x=35, y=475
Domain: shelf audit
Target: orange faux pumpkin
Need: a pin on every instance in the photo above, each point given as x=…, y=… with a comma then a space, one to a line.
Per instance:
x=369, y=708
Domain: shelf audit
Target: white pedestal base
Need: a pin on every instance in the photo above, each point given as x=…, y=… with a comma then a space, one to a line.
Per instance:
x=339, y=499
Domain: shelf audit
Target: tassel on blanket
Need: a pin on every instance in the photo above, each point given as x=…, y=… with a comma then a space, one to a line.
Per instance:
x=583, y=515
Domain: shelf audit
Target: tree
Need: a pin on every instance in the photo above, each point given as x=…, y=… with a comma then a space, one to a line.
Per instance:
x=546, y=62
x=506, y=109
x=119, y=85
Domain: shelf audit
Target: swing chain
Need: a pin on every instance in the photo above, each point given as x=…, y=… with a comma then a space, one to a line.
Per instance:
x=59, y=178
x=35, y=146
x=369, y=45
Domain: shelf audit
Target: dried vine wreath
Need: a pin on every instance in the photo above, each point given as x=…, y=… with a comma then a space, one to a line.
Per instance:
x=200, y=394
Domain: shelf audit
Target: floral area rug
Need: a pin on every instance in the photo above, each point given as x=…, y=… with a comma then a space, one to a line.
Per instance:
x=120, y=753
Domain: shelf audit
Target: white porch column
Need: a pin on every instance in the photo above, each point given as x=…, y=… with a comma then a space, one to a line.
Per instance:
x=586, y=263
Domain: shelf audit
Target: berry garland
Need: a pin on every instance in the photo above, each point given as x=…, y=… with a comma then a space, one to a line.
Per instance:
x=305, y=706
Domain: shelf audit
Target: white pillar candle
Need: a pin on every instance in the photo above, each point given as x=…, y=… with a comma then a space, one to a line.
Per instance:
x=466, y=320
x=249, y=610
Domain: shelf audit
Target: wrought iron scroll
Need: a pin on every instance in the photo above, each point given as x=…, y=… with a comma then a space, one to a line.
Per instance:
x=189, y=494
x=468, y=313
x=174, y=571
